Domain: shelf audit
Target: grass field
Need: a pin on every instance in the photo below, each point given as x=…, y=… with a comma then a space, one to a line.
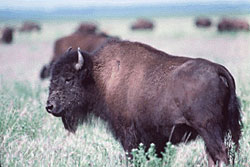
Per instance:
x=29, y=136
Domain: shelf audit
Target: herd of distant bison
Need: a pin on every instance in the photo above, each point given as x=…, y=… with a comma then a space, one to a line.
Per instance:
x=145, y=95
x=224, y=24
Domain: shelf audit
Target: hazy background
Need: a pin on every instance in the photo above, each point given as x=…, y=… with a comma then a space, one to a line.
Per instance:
x=174, y=32
x=46, y=9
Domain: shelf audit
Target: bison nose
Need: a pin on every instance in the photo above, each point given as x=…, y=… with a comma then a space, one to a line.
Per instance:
x=50, y=107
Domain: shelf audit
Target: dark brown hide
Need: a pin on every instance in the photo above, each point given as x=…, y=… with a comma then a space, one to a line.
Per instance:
x=148, y=96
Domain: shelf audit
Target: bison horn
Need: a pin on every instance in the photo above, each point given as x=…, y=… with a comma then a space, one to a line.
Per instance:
x=68, y=50
x=80, y=60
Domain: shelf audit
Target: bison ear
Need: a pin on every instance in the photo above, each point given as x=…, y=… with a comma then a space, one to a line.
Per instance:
x=80, y=62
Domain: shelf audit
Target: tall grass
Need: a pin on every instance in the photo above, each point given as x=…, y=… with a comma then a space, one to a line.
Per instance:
x=31, y=137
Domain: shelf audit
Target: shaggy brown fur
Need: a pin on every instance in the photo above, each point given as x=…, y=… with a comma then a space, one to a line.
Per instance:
x=148, y=96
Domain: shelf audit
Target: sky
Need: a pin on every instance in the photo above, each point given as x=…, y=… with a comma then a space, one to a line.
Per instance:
x=52, y=4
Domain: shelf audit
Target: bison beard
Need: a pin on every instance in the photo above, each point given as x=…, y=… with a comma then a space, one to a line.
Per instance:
x=148, y=96
x=71, y=121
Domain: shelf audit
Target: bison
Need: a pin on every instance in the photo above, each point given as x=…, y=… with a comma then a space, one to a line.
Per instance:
x=142, y=24
x=227, y=24
x=7, y=35
x=203, y=22
x=87, y=41
x=86, y=27
x=29, y=26
x=147, y=96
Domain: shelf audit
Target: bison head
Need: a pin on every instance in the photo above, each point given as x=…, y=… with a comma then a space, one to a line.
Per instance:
x=69, y=88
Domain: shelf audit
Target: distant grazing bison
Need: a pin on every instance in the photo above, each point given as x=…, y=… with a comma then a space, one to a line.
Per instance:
x=227, y=24
x=29, y=26
x=147, y=96
x=87, y=41
x=141, y=24
x=7, y=35
x=203, y=22
x=86, y=27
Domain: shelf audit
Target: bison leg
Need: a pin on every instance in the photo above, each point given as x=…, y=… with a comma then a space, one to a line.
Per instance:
x=129, y=139
x=210, y=160
x=215, y=147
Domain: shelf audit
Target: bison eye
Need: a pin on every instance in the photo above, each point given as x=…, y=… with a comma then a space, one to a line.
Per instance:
x=68, y=80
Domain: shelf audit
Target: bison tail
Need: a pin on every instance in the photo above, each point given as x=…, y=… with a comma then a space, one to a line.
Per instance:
x=233, y=115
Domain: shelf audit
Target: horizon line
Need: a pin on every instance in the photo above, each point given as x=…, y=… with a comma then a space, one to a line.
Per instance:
x=138, y=4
